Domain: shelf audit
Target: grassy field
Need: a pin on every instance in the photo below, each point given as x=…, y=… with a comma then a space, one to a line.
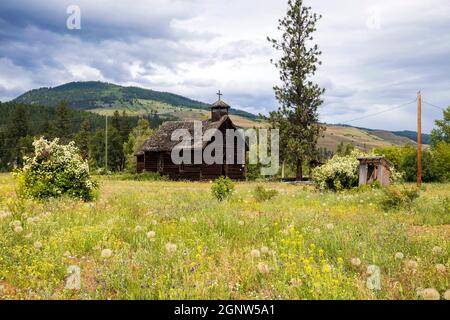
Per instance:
x=302, y=244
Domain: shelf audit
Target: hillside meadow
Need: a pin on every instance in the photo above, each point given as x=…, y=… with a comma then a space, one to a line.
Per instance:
x=173, y=240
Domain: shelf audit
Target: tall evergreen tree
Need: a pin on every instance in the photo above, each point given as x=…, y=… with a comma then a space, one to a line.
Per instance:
x=18, y=130
x=83, y=138
x=299, y=96
x=62, y=124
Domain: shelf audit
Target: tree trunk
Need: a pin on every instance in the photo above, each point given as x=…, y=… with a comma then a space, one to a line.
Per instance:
x=299, y=176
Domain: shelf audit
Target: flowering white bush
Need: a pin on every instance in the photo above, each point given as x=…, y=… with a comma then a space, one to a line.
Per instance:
x=341, y=172
x=55, y=170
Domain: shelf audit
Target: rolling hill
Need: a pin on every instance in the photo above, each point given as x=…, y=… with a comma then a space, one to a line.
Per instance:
x=105, y=98
x=101, y=96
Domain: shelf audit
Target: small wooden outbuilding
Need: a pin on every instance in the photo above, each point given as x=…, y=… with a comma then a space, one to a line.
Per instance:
x=373, y=169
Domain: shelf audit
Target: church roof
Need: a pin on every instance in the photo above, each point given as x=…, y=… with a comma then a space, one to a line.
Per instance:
x=221, y=104
x=162, y=140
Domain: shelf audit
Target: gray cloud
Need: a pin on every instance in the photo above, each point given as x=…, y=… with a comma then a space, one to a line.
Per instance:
x=198, y=46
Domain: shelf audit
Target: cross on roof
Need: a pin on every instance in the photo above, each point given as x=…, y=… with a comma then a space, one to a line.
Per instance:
x=219, y=94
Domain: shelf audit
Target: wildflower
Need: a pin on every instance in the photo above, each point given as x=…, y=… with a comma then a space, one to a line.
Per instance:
x=264, y=250
x=440, y=268
x=411, y=264
x=16, y=223
x=171, y=247
x=4, y=214
x=38, y=245
x=263, y=268
x=255, y=253
x=241, y=223
x=330, y=226
x=18, y=229
x=138, y=229
x=326, y=268
x=106, y=253
x=29, y=235
x=399, y=256
x=151, y=234
x=429, y=294
x=154, y=222
x=436, y=250
x=295, y=282
x=446, y=295
x=355, y=262
x=194, y=221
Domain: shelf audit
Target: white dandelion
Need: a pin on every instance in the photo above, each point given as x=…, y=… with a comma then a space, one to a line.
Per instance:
x=171, y=247
x=330, y=226
x=151, y=235
x=138, y=229
x=446, y=295
x=440, y=268
x=399, y=256
x=429, y=294
x=436, y=250
x=18, y=229
x=106, y=253
x=255, y=253
x=38, y=245
x=263, y=268
x=265, y=250
x=355, y=262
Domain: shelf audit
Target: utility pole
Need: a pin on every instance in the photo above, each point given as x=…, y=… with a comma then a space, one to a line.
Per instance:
x=419, y=139
x=106, y=144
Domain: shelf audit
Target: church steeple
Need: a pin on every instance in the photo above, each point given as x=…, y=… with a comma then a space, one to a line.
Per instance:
x=219, y=108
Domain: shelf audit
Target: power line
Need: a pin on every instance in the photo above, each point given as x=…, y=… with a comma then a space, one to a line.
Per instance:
x=381, y=112
x=434, y=106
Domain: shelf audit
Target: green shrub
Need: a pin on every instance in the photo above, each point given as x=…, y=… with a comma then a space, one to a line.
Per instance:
x=261, y=194
x=341, y=172
x=222, y=188
x=399, y=197
x=53, y=171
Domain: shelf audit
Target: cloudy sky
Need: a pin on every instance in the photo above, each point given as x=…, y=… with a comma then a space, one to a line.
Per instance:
x=376, y=54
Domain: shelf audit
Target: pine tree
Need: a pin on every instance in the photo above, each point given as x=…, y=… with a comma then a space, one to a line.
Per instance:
x=62, y=124
x=299, y=96
x=18, y=130
x=83, y=138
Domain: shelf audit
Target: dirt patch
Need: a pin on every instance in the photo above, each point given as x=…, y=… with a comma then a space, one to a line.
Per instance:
x=7, y=291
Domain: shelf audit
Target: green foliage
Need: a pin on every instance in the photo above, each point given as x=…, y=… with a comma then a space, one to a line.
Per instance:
x=55, y=170
x=344, y=149
x=83, y=139
x=135, y=140
x=299, y=96
x=341, y=172
x=222, y=188
x=441, y=155
x=399, y=197
x=435, y=162
x=261, y=194
x=62, y=126
x=442, y=131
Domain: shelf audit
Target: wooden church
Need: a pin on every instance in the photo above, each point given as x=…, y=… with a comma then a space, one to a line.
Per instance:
x=155, y=153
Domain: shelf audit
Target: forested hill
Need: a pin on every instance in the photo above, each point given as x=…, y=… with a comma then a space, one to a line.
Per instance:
x=100, y=95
